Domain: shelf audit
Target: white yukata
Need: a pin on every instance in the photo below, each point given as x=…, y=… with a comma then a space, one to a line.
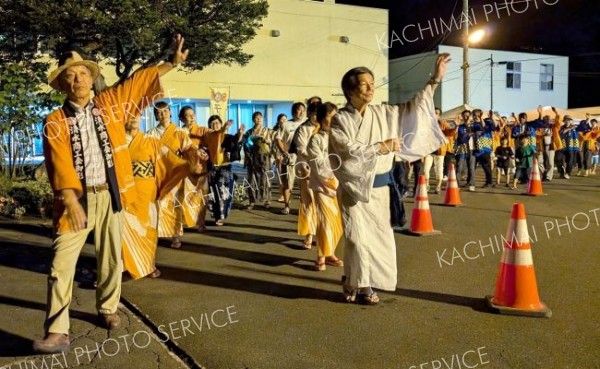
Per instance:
x=370, y=248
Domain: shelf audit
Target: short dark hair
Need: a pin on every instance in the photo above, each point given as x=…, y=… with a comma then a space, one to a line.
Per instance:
x=281, y=116
x=312, y=108
x=325, y=109
x=478, y=112
x=522, y=115
x=310, y=99
x=256, y=114
x=213, y=118
x=160, y=106
x=350, y=79
x=183, y=110
x=297, y=106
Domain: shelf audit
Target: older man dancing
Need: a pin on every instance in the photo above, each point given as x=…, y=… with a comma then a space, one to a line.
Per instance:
x=363, y=139
x=90, y=171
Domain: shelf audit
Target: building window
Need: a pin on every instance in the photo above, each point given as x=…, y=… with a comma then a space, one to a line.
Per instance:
x=547, y=77
x=513, y=75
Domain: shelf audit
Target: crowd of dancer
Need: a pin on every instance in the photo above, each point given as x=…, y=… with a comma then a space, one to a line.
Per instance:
x=131, y=188
x=557, y=142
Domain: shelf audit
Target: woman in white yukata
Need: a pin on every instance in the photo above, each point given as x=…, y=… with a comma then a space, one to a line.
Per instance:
x=364, y=139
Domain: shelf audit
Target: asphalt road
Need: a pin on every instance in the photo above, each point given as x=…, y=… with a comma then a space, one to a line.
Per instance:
x=246, y=296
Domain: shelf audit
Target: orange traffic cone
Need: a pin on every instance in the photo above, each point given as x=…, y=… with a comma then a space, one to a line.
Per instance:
x=452, y=197
x=516, y=287
x=534, y=187
x=420, y=222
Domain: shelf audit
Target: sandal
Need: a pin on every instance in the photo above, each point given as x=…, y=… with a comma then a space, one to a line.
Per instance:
x=438, y=190
x=201, y=229
x=220, y=223
x=371, y=299
x=306, y=245
x=267, y=205
x=155, y=274
x=334, y=262
x=349, y=293
x=285, y=210
x=176, y=243
x=250, y=206
x=320, y=266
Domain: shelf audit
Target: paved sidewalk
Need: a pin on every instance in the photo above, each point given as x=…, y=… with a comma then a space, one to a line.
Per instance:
x=23, y=266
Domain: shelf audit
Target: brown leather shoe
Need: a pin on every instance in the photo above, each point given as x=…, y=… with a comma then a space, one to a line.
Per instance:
x=52, y=343
x=110, y=321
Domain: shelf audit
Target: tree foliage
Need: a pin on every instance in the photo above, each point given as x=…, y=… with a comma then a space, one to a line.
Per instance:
x=122, y=32
x=23, y=103
x=130, y=31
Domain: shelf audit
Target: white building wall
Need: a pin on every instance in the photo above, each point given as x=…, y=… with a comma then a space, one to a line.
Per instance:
x=409, y=74
x=506, y=100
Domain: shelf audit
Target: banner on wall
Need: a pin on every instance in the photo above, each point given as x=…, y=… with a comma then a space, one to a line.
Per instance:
x=219, y=101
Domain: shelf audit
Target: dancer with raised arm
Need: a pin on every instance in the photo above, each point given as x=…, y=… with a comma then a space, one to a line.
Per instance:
x=364, y=138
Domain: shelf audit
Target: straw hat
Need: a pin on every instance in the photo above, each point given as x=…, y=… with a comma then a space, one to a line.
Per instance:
x=71, y=59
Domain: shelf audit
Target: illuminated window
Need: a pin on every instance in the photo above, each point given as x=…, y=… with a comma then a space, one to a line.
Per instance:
x=546, y=77
x=513, y=75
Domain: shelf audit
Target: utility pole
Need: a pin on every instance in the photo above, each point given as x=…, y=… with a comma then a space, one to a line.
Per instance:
x=492, y=82
x=465, y=67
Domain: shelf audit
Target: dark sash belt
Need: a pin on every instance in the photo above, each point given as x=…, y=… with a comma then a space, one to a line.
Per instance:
x=382, y=180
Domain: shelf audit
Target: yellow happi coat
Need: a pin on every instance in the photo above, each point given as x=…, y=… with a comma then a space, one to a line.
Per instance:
x=195, y=186
x=156, y=170
x=171, y=207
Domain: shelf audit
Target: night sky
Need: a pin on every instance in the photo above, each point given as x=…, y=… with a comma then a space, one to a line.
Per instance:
x=570, y=28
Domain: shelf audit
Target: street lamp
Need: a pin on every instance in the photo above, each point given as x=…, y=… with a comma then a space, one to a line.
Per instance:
x=476, y=36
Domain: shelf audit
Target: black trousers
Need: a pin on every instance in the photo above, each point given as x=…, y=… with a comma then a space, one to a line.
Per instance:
x=570, y=157
x=559, y=161
x=485, y=161
x=401, y=176
x=417, y=170
x=449, y=159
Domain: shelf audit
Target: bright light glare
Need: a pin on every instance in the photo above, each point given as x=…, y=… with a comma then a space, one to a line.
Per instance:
x=476, y=36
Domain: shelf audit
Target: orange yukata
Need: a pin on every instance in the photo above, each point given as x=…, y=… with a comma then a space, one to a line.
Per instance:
x=156, y=170
x=329, y=229
x=171, y=211
x=195, y=186
x=307, y=214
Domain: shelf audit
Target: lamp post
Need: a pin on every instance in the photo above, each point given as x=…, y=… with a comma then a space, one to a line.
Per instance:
x=465, y=66
x=468, y=38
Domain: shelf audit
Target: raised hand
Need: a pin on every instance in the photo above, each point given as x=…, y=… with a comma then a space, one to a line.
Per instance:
x=458, y=119
x=179, y=55
x=440, y=66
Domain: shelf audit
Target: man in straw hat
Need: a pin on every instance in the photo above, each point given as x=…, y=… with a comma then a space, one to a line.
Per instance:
x=89, y=168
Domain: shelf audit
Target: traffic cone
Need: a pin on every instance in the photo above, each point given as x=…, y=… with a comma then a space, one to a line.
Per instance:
x=534, y=187
x=516, y=287
x=420, y=222
x=452, y=197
